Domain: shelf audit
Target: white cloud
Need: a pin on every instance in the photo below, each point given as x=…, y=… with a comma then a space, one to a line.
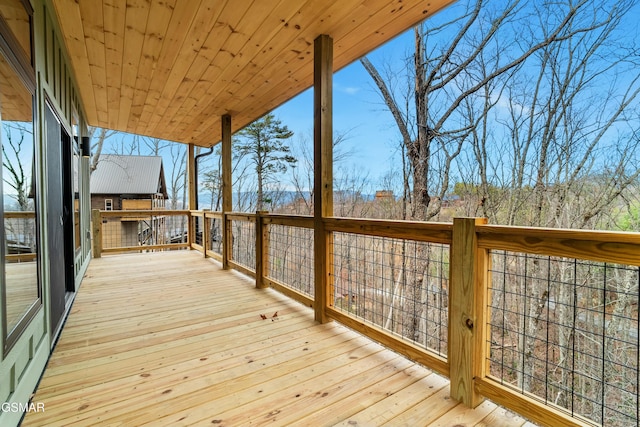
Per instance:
x=349, y=90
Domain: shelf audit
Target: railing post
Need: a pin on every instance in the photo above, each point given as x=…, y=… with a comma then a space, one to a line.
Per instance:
x=262, y=249
x=96, y=219
x=189, y=229
x=226, y=241
x=205, y=231
x=467, y=311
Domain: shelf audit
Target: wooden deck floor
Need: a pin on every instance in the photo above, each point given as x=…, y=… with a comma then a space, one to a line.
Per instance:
x=171, y=339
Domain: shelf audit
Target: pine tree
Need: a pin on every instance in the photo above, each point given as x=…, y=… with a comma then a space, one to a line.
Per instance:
x=263, y=142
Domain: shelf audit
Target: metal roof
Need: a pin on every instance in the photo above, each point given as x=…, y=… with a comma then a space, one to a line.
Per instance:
x=117, y=174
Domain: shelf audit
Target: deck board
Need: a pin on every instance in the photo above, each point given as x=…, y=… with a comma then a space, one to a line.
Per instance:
x=171, y=339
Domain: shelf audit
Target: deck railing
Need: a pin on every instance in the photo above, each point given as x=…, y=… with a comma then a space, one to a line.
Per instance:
x=542, y=321
x=140, y=230
x=20, y=234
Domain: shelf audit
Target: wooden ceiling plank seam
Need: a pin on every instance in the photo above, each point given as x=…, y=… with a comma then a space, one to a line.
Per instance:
x=264, y=34
x=298, y=45
x=158, y=20
x=180, y=25
x=214, y=99
x=406, y=20
x=228, y=72
x=316, y=14
x=303, y=76
x=207, y=41
x=296, y=42
x=378, y=4
x=222, y=56
x=17, y=19
x=69, y=17
x=136, y=14
x=114, y=26
x=198, y=37
x=220, y=31
x=93, y=25
x=15, y=98
x=364, y=44
x=361, y=47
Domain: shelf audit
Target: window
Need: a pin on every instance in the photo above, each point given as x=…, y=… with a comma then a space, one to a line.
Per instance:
x=20, y=291
x=108, y=204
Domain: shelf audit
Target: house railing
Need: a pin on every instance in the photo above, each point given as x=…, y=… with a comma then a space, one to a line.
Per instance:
x=542, y=321
x=140, y=230
x=20, y=234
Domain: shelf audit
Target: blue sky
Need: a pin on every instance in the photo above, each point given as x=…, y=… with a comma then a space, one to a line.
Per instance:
x=373, y=137
x=359, y=110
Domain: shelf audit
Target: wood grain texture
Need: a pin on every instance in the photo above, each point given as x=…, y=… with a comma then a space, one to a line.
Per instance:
x=323, y=173
x=545, y=415
x=411, y=230
x=289, y=220
x=171, y=339
x=606, y=246
x=171, y=69
x=466, y=308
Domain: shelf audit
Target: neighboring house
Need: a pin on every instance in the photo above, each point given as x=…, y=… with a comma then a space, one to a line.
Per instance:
x=130, y=183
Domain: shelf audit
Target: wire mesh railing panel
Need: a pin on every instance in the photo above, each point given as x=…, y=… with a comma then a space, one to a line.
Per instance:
x=198, y=227
x=396, y=284
x=20, y=233
x=566, y=331
x=214, y=239
x=243, y=243
x=141, y=230
x=176, y=229
x=291, y=257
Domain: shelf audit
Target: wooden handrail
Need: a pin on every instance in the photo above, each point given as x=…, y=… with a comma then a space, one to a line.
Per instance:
x=411, y=230
x=213, y=215
x=97, y=217
x=20, y=214
x=603, y=246
x=143, y=212
x=239, y=216
x=289, y=220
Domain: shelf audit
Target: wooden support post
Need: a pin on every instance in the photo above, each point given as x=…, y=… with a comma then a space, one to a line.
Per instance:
x=227, y=201
x=262, y=250
x=323, y=174
x=467, y=311
x=96, y=232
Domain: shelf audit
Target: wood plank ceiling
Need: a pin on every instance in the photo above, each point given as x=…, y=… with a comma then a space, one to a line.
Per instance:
x=171, y=68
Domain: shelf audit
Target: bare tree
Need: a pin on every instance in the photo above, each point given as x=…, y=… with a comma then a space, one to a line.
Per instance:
x=177, y=176
x=13, y=162
x=456, y=73
x=444, y=76
x=97, y=143
x=156, y=146
x=302, y=176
